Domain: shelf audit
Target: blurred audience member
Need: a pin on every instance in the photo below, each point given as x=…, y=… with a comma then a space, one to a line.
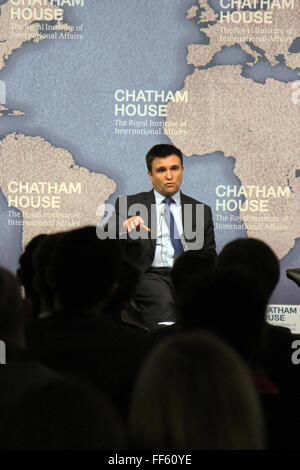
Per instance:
x=42, y=261
x=19, y=374
x=248, y=255
x=194, y=392
x=188, y=267
x=12, y=320
x=62, y=415
x=230, y=304
x=79, y=337
x=191, y=265
x=26, y=274
x=254, y=257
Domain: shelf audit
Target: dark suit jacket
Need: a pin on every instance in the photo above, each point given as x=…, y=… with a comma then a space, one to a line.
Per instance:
x=140, y=246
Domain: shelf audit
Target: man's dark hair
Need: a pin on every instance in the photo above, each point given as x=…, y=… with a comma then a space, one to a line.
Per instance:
x=162, y=151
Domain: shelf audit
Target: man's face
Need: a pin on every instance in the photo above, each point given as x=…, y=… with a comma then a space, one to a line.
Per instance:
x=166, y=175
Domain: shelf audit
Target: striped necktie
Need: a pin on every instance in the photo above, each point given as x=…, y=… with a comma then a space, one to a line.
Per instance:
x=174, y=234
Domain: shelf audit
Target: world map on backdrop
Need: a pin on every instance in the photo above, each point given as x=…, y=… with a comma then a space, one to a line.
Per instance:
x=87, y=87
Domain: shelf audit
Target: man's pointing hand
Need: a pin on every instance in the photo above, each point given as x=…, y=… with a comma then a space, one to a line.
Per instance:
x=134, y=223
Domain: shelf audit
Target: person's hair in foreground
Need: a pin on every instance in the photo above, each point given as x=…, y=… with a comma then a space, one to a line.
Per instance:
x=190, y=266
x=194, y=392
x=252, y=256
x=230, y=304
x=84, y=270
x=26, y=273
x=42, y=261
x=63, y=414
x=11, y=313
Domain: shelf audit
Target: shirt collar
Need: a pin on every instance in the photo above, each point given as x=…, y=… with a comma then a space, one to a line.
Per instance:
x=160, y=197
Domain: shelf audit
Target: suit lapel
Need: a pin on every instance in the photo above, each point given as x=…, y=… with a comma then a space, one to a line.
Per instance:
x=184, y=201
x=188, y=217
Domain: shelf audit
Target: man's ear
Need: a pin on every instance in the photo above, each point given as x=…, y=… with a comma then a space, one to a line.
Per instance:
x=150, y=174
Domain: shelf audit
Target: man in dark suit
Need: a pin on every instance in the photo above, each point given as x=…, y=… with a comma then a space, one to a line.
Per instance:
x=157, y=226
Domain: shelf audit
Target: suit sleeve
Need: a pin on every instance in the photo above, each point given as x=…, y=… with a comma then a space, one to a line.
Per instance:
x=113, y=227
x=119, y=217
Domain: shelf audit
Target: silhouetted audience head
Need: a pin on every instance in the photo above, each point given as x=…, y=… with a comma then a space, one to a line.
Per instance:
x=252, y=256
x=191, y=265
x=26, y=273
x=129, y=275
x=194, y=392
x=42, y=261
x=11, y=310
x=84, y=270
x=230, y=304
x=63, y=415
